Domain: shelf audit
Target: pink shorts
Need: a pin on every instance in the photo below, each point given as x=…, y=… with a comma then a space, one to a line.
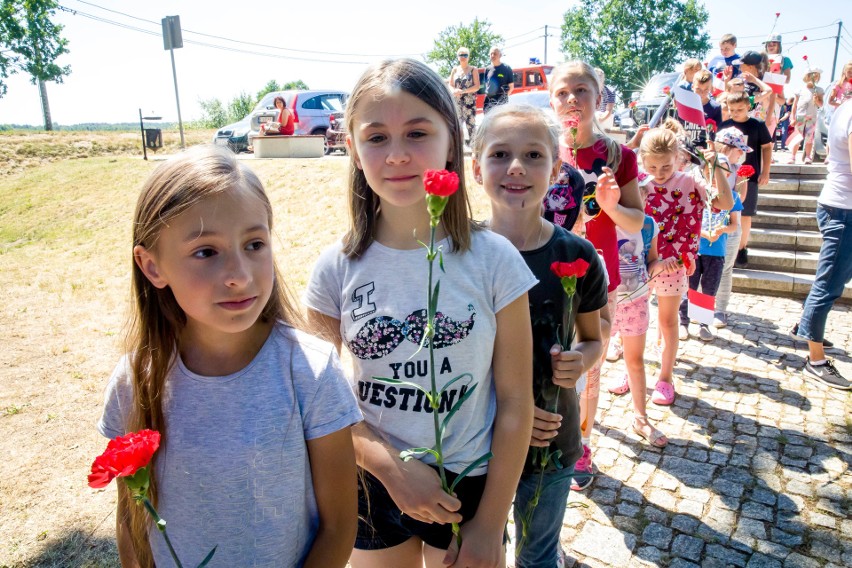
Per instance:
x=671, y=283
x=631, y=317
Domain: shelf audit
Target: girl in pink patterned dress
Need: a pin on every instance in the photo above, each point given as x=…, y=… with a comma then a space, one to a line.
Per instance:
x=676, y=201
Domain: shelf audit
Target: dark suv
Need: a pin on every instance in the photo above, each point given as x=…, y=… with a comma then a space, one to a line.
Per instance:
x=648, y=101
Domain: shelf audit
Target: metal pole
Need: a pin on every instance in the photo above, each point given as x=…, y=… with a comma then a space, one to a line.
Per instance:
x=177, y=98
x=836, y=48
x=142, y=128
x=545, y=44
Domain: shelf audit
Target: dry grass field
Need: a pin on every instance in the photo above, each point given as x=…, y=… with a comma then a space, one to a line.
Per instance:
x=64, y=291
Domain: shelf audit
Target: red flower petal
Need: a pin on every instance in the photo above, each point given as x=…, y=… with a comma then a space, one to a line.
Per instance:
x=568, y=269
x=440, y=182
x=805, y=57
x=804, y=38
x=124, y=456
x=745, y=171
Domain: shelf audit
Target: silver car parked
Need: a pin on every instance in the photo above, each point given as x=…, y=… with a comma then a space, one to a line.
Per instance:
x=311, y=110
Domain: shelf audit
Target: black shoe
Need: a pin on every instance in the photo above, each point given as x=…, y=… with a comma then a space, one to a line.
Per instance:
x=794, y=333
x=742, y=258
x=828, y=374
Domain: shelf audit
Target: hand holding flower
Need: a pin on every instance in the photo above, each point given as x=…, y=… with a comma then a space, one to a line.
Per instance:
x=545, y=427
x=416, y=489
x=567, y=367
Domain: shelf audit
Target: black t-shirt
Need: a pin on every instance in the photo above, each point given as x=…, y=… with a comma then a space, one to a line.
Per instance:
x=550, y=316
x=698, y=134
x=756, y=135
x=497, y=80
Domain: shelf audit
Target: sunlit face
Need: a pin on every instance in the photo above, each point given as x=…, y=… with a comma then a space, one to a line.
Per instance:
x=217, y=259
x=661, y=167
x=516, y=165
x=574, y=93
x=279, y=104
x=773, y=47
x=702, y=90
x=739, y=111
x=463, y=57
x=727, y=49
x=395, y=138
x=495, y=55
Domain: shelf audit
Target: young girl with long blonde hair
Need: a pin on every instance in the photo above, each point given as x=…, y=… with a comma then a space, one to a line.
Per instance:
x=368, y=292
x=609, y=196
x=256, y=456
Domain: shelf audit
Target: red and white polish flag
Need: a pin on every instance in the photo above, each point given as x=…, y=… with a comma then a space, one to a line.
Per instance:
x=689, y=106
x=701, y=307
x=776, y=81
x=718, y=85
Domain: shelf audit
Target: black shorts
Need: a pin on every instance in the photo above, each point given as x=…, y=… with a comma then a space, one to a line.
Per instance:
x=750, y=202
x=382, y=525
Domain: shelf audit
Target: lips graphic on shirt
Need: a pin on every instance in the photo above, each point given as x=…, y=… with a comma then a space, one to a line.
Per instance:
x=381, y=335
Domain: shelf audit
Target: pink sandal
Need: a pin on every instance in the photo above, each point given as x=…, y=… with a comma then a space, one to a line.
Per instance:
x=664, y=394
x=621, y=387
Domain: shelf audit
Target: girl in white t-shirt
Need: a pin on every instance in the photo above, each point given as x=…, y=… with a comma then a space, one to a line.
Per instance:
x=368, y=292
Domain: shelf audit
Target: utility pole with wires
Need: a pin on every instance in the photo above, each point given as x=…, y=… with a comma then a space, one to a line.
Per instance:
x=836, y=48
x=545, y=44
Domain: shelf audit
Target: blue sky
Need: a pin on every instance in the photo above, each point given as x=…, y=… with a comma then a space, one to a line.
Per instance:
x=117, y=69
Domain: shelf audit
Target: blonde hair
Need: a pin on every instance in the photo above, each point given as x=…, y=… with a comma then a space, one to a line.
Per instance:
x=586, y=71
x=176, y=185
x=729, y=38
x=675, y=126
x=530, y=115
x=415, y=78
x=659, y=142
x=691, y=63
x=702, y=77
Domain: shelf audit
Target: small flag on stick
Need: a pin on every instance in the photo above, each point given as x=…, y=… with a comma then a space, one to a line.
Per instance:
x=689, y=106
x=776, y=81
x=701, y=307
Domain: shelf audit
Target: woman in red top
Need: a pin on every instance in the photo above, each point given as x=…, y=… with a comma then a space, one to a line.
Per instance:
x=283, y=124
x=611, y=198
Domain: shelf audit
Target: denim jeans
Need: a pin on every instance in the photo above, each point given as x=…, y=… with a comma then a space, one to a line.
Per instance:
x=834, y=270
x=723, y=295
x=541, y=548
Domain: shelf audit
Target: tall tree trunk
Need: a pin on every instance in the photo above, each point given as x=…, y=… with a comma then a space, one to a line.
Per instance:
x=45, y=105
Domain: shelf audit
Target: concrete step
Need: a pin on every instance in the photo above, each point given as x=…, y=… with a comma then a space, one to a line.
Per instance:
x=813, y=170
x=792, y=184
x=779, y=284
x=785, y=239
x=785, y=220
x=800, y=262
x=771, y=201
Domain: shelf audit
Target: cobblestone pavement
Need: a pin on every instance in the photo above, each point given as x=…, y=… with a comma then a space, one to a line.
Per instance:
x=756, y=472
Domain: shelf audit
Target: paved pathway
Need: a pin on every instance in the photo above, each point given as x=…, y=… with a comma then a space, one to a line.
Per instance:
x=756, y=472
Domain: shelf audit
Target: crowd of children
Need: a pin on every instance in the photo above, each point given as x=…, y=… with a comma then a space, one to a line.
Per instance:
x=307, y=456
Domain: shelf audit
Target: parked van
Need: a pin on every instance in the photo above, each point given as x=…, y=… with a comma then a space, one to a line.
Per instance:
x=530, y=78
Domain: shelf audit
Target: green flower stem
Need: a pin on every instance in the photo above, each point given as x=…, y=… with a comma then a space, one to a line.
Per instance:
x=161, y=525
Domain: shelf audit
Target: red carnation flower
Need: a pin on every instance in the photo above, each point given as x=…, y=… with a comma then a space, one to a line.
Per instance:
x=440, y=182
x=745, y=171
x=667, y=90
x=684, y=260
x=632, y=104
x=711, y=125
x=123, y=457
x=576, y=268
x=777, y=14
x=805, y=57
x=804, y=38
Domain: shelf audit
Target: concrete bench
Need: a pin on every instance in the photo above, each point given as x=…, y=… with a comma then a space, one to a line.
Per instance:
x=288, y=146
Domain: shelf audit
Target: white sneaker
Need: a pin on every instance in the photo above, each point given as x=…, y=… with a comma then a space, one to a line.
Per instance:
x=614, y=352
x=704, y=333
x=683, y=334
x=720, y=319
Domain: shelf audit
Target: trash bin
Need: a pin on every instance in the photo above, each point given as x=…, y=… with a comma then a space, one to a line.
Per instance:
x=153, y=138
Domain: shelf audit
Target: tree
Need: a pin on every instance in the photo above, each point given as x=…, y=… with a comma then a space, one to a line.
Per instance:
x=297, y=85
x=240, y=106
x=213, y=114
x=477, y=37
x=272, y=85
x=34, y=42
x=634, y=39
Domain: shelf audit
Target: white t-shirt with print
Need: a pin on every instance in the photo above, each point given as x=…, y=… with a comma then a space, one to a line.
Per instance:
x=380, y=300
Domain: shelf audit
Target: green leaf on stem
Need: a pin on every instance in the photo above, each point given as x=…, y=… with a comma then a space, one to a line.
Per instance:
x=441, y=259
x=207, y=558
x=455, y=409
x=390, y=381
x=411, y=453
x=433, y=307
x=455, y=379
x=476, y=463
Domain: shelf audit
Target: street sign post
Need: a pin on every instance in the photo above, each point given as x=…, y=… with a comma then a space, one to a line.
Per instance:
x=172, y=39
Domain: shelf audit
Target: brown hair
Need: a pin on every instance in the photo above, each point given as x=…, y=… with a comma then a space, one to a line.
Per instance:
x=734, y=98
x=279, y=98
x=702, y=76
x=414, y=78
x=176, y=185
x=659, y=141
x=691, y=63
x=613, y=148
x=729, y=38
